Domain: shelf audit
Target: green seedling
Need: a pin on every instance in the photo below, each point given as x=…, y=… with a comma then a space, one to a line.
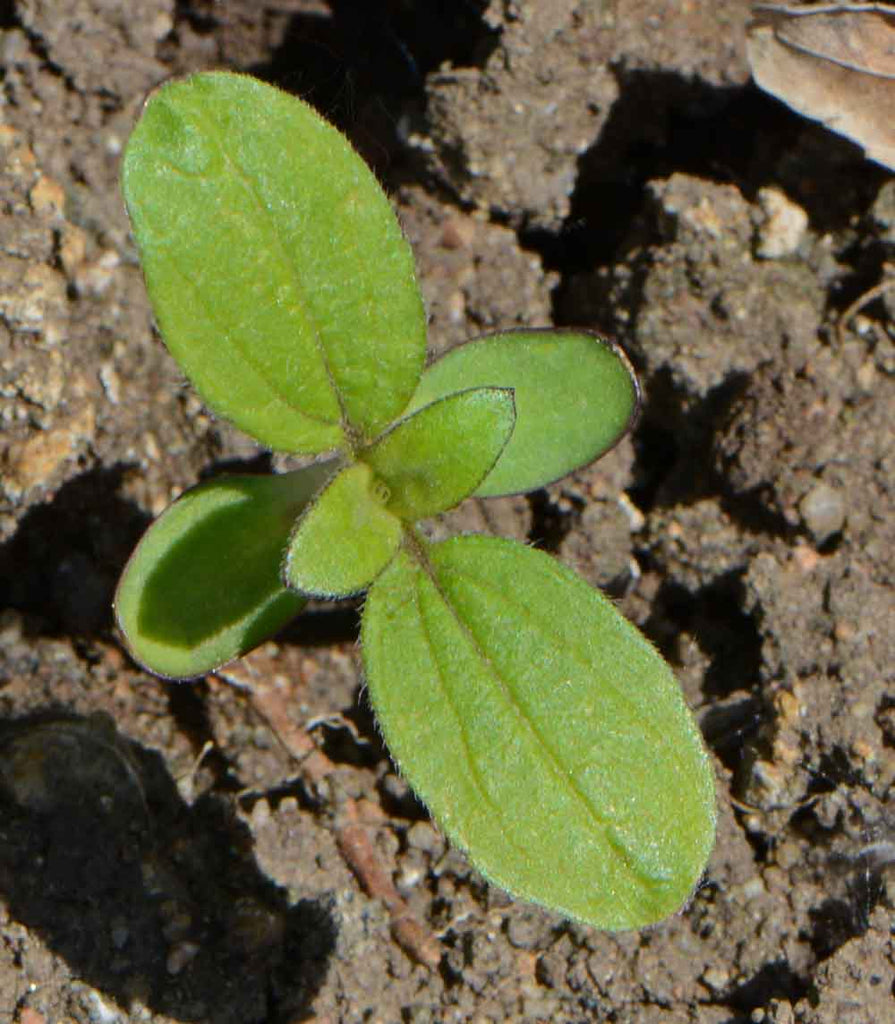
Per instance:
x=546, y=735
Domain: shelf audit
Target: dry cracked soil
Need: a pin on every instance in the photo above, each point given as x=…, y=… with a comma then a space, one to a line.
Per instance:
x=165, y=855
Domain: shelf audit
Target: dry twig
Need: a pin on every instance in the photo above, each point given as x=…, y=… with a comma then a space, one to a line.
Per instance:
x=887, y=284
x=352, y=835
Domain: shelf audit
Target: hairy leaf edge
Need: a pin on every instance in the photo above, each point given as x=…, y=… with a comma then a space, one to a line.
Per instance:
x=600, y=339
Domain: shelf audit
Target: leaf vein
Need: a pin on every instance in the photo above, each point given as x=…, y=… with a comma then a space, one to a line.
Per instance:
x=657, y=737
x=242, y=351
x=549, y=756
x=450, y=699
x=264, y=208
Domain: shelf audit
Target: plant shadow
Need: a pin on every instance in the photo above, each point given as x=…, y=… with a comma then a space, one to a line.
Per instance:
x=353, y=47
x=60, y=567
x=145, y=897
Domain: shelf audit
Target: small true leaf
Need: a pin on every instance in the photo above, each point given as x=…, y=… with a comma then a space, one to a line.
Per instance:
x=575, y=393
x=345, y=539
x=437, y=457
x=545, y=734
x=203, y=585
x=276, y=268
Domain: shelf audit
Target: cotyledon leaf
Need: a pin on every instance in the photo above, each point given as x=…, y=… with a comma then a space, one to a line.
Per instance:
x=278, y=273
x=576, y=396
x=203, y=585
x=437, y=456
x=546, y=735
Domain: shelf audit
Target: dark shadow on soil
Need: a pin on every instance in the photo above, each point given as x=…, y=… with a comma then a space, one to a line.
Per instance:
x=188, y=706
x=549, y=523
x=713, y=615
x=730, y=726
x=358, y=741
x=854, y=882
x=663, y=123
x=323, y=627
x=8, y=18
x=676, y=459
x=144, y=896
x=837, y=921
x=386, y=43
x=674, y=442
x=61, y=565
x=729, y=638
x=363, y=63
x=677, y=462
x=258, y=465
x=399, y=801
x=775, y=980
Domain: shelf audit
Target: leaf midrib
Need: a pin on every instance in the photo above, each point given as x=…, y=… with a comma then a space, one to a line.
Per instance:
x=270, y=221
x=244, y=353
x=450, y=700
x=656, y=736
x=547, y=754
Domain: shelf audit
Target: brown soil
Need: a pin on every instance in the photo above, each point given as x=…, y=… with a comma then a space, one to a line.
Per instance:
x=163, y=857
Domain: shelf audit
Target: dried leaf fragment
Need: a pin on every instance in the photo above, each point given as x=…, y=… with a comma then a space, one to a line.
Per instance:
x=834, y=63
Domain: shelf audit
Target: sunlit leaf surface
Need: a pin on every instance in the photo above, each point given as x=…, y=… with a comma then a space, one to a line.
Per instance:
x=545, y=734
x=276, y=268
x=345, y=538
x=437, y=457
x=576, y=395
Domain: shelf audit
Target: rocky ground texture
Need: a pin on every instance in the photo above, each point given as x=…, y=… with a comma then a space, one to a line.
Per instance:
x=241, y=851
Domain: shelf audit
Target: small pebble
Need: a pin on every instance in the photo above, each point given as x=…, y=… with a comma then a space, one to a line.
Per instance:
x=422, y=836
x=260, y=815
x=823, y=512
x=805, y=557
x=784, y=226
x=99, y=1011
x=457, y=233
x=47, y=197
x=716, y=978
x=180, y=956
x=527, y=929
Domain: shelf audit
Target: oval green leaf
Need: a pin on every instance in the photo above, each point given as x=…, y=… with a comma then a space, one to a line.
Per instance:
x=277, y=270
x=438, y=456
x=547, y=736
x=345, y=539
x=203, y=585
x=576, y=396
